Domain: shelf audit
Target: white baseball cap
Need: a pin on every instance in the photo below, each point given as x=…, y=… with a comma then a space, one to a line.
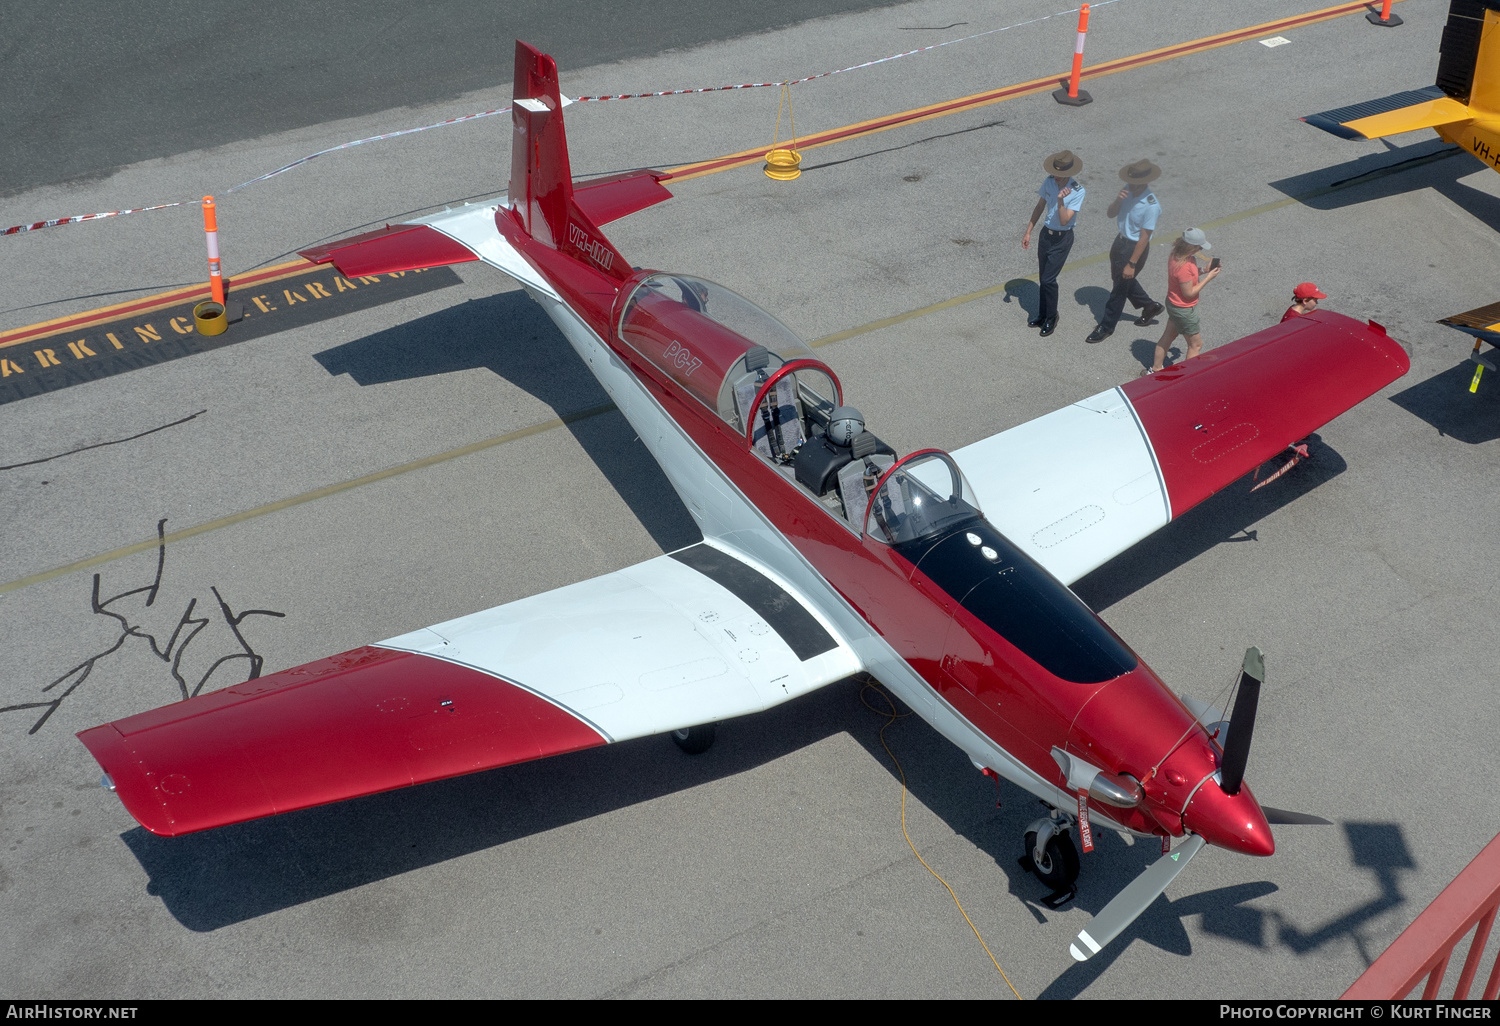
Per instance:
x=1195, y=237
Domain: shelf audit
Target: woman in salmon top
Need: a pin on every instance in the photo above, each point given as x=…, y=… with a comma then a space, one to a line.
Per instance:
x=1184, y=282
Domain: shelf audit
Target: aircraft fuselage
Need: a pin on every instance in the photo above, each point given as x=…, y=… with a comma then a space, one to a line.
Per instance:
x=1117, y=716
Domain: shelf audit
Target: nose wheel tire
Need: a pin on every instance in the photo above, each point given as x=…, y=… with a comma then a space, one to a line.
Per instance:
x=1059, y=866
x=697, y=740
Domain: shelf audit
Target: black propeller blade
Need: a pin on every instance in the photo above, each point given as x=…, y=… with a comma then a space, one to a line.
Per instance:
x=1292, y=818
x=1242, y=721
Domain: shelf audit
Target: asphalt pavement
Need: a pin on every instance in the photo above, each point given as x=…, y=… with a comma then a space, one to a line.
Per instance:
x=774, y=865
x=87, y=87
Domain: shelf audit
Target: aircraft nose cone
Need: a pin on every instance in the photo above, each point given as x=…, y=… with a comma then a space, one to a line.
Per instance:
x=1235, y=822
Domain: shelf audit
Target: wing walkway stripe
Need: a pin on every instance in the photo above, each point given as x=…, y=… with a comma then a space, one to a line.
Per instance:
x=1036, y=85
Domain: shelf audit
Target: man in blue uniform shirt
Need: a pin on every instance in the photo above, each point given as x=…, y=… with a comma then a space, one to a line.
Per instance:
x=1061, y=197
x=1135, y=211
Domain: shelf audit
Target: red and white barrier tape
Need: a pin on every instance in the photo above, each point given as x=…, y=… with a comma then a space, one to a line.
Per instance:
x=840, y=71
x=374, y=138
x=17, y=229
x=56, y=222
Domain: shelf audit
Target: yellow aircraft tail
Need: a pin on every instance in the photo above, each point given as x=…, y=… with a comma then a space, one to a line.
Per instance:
x=1463, y=105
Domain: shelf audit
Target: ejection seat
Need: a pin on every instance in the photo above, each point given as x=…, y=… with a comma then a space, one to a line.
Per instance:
x=777, y=430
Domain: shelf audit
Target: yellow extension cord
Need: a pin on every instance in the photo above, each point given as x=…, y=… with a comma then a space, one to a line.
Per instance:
x=890, y=718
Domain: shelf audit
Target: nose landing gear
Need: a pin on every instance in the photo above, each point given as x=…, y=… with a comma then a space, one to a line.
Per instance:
x=1051, y=857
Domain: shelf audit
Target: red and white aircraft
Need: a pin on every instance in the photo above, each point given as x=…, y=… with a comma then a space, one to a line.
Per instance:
x=943, y=575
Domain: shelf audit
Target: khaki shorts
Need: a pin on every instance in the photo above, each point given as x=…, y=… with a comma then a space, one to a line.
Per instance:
x=1185, y=318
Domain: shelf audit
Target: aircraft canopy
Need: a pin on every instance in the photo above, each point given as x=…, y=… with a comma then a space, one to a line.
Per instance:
x=707, y=338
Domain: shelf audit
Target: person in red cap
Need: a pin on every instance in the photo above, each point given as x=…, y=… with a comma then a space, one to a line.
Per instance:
x=1304, y=300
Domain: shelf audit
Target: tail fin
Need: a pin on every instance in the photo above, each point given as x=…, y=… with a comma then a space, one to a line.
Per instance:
x=1469, y=61
x=541, y=180
x=1467, y=88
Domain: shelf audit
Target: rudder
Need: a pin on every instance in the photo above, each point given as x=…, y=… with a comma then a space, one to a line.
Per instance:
x=541, y=178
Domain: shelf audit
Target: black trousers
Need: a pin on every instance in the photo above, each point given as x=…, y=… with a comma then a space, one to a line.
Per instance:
x=1124, y=288
x=1052, y=250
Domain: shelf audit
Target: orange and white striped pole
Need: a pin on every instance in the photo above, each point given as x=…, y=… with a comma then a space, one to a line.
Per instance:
x=1073, y=96
x=1385, y=19
x=211, y=229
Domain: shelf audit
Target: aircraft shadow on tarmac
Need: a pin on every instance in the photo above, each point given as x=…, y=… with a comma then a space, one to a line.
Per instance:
x=942, y=779
x=220, y=877
x=1444, y=401
x=514, y=338
x=1379, y=848
x=1224, y=517
x=1434, y=164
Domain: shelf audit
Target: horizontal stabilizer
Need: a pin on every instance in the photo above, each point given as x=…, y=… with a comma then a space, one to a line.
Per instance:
x=1392, y=115
x=1481, y=322
x=609, y=199
x=402, y=247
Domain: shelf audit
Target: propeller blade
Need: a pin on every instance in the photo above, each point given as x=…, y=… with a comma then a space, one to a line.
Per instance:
x=1132, y=901
x=1292, y=818
x=1242, y=722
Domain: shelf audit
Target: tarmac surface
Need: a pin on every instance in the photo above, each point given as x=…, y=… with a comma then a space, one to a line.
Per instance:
x=773, y=865
x=174, y=76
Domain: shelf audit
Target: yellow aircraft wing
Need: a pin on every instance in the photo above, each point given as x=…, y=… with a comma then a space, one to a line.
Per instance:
x=1392, y=115
x=1483, y=322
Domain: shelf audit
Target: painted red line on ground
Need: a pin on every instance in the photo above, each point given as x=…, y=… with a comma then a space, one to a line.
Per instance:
x=32, y=331
x=1035, y=85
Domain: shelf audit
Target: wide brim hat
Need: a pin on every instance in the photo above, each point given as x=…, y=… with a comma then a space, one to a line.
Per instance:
x=1065, y=162
x=1139, y=173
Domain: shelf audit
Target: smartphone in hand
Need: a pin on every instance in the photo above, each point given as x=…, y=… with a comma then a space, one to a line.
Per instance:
x=1213, y=265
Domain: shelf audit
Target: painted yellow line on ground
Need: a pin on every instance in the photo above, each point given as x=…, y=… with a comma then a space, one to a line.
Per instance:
x=1166, y=240
x=556, y=422
x=149, y=304
x=1037, y=85
x=306, y=497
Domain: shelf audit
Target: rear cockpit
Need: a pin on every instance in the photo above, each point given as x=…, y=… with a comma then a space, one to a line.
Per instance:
x=764, y=382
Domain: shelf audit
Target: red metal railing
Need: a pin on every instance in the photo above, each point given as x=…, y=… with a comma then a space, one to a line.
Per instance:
x=1424, y=947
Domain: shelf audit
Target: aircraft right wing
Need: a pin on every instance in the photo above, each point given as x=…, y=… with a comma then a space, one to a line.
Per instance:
x=1078, y=486
x=685, y=639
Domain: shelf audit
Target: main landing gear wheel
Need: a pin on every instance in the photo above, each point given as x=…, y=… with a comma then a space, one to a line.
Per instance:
x=1059, y=866
x=697, y=740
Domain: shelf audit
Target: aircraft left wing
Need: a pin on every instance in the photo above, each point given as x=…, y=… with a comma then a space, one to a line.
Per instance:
x=1391, y=115
x=685, y=639
x=1078, y=486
